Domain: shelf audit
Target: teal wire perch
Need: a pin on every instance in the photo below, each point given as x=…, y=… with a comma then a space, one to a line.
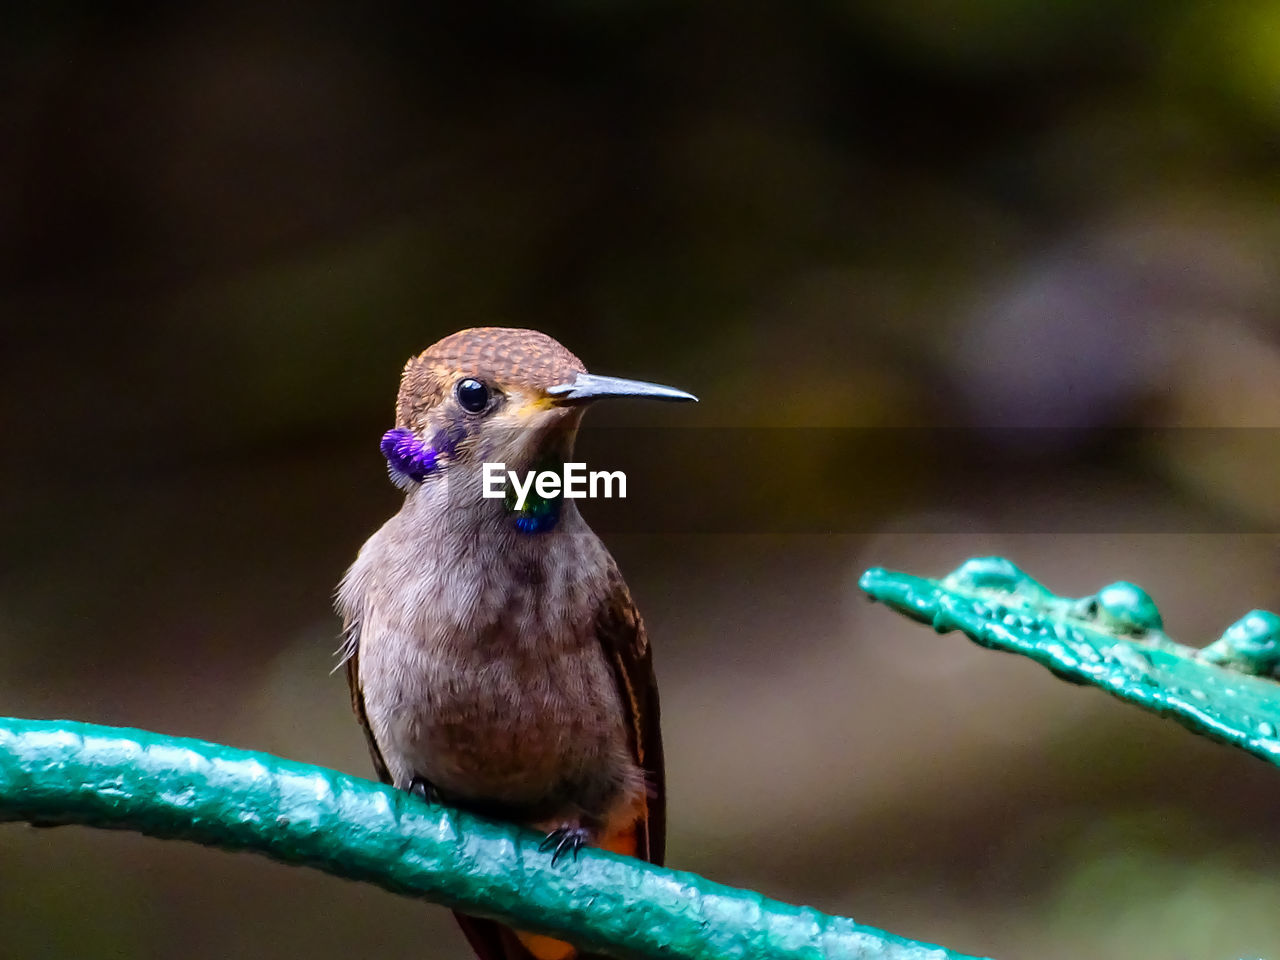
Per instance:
x=1114, y=639
x=78, y=773
x=67, y=772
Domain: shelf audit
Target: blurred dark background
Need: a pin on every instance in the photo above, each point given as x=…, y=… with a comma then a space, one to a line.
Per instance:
x=226, y=226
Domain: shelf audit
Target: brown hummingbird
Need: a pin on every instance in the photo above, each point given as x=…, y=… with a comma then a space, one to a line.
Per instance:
x=495, y=657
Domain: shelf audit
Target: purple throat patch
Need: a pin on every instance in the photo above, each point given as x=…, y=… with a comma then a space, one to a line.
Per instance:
x=409, y=460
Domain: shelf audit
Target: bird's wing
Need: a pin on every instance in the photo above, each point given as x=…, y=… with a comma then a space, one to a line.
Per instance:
x=351, y=658
x=622, y=637
x=626, y=646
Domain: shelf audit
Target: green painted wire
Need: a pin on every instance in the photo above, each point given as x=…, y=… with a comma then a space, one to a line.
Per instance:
x=1114, y=641
x=77, y=773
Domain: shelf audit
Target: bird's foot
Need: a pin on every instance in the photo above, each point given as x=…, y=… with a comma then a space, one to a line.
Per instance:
x=566, y=839
x=423, y=789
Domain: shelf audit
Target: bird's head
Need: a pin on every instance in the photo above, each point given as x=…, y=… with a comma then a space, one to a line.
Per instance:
x=495, y=394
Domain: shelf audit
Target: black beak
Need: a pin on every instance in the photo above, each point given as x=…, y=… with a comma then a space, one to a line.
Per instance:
x=586, y=387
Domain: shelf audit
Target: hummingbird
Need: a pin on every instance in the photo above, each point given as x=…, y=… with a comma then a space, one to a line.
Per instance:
x=495, y=658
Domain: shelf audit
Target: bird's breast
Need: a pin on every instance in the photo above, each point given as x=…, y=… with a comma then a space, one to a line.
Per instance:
x=487, y=678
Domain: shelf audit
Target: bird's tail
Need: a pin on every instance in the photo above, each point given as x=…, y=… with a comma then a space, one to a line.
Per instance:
x=493, y=941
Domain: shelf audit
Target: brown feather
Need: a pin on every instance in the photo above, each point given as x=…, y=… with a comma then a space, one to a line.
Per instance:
x=622, y=636
x=352, y=654
x=498, y=354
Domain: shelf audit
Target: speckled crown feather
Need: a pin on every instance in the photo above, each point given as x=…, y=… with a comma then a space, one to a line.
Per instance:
x=500, y=355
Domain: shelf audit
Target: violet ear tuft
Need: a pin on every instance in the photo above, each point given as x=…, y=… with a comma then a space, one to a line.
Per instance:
x=409, y=460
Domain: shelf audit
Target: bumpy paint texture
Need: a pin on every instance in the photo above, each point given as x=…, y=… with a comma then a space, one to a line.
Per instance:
x=1115, y=640
x=67, y=772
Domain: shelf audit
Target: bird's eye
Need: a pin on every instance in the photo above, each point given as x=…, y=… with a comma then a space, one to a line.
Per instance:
x=473, y=396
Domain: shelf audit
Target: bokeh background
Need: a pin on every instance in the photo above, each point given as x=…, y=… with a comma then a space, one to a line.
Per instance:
x=225, y=226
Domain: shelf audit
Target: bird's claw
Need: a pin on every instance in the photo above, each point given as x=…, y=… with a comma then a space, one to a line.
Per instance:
x=422, y=788
x=565, y=840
